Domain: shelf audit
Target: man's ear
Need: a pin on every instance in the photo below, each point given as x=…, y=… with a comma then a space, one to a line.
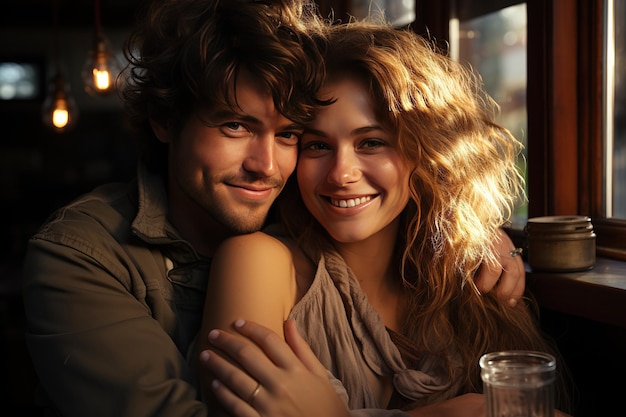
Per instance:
x=161, y=130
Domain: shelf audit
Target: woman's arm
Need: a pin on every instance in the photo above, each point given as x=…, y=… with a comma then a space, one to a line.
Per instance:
x=251, y=276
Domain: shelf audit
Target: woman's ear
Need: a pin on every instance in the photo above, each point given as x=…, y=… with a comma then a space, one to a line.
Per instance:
x=161, y=130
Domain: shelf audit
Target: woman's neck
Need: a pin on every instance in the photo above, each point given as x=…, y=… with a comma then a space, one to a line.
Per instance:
x=371, y=260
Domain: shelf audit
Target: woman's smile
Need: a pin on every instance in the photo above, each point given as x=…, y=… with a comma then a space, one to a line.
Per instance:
x=350, y=202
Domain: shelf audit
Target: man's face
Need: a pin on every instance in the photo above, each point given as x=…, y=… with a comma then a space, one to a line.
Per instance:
x=224, y=177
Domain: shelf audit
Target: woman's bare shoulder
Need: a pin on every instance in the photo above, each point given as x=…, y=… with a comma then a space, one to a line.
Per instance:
x=253, y=244
x=274, y=255
x=257, y=255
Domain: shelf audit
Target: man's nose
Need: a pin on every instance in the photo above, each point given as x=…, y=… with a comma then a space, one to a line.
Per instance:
x=261, y=157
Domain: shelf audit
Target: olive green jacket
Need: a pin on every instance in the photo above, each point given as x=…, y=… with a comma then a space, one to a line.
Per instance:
x=113, y=299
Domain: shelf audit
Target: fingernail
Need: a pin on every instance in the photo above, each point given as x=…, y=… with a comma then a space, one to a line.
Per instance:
x=216, y=384
x=512, y=302
x=204, y=356
x=239, y=323
x=214, y=334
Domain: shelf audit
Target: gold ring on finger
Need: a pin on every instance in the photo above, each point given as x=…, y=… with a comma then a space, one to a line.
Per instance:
x=254, y=393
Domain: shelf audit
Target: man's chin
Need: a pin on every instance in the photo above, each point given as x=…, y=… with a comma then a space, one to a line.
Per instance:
x=238, y=219
x=247, y=230
x=247, y=225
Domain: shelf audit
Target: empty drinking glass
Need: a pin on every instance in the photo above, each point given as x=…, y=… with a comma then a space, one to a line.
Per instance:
x=518, y=383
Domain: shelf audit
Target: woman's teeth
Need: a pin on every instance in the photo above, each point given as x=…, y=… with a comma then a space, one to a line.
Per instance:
x=351, y=202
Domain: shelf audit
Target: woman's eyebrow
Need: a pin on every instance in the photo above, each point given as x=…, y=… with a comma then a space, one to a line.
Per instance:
x=315, y=132
x=354, y=132
x=366, y=129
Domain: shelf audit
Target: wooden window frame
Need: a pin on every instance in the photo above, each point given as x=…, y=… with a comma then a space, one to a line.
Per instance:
x=565, y=131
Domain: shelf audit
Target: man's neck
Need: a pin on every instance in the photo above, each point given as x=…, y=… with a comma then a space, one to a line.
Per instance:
x=205, y=236
x=194, y=224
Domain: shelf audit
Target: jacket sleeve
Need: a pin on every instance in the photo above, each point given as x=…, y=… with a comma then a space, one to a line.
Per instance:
x=97, y=348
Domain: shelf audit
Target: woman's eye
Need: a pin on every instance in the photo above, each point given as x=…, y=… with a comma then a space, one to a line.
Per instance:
x=372, y=143
x=315, y=146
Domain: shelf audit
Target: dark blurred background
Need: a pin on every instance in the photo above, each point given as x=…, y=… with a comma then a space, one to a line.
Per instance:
x=42, y=169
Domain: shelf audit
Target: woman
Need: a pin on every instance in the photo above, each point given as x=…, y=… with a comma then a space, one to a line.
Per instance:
x=403, y=181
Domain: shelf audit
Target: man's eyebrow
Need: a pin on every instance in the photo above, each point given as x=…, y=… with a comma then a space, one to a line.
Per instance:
x=226, y=114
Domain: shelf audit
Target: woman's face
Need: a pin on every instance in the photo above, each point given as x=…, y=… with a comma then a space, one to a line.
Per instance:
x=350, y=174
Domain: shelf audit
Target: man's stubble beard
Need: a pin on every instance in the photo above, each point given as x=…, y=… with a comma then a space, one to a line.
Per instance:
x=245, y=219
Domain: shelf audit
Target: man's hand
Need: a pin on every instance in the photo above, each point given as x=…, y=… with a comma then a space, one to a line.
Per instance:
x=509, y=281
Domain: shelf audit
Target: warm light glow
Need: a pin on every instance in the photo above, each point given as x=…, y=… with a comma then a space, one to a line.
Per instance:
x=59, y=109
x=60, y=118
x=101, y=67
x=59, y=112
x=101, y=79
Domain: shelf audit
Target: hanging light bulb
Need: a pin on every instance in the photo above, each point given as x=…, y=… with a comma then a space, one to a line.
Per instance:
x=59, y=110
x=102, y=66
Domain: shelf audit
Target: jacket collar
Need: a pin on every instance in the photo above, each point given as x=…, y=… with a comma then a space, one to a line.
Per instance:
x=152, y=207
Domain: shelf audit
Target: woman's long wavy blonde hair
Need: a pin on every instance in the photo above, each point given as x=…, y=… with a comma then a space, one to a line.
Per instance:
x=464, y=186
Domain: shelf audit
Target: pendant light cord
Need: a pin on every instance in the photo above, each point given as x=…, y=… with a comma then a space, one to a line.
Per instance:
x=55, y=35
x=96, y=16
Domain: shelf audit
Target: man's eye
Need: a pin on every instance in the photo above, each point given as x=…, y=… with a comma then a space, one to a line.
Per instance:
x=233, y=126
x=289, y=136
x=234, y=129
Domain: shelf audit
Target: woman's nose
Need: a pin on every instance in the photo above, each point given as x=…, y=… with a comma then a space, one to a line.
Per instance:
x=345, y=169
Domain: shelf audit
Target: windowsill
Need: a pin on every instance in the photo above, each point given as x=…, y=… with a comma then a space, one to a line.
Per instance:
x=598, y=294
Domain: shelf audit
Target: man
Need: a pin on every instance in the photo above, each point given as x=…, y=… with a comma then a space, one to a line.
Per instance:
x=114, y=282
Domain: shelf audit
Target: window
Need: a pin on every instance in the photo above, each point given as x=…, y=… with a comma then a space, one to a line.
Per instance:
x=602, y=68
x=494, y=45
x=576, y=105
x=20, y=80
x=615, y=109
x=399, y=12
